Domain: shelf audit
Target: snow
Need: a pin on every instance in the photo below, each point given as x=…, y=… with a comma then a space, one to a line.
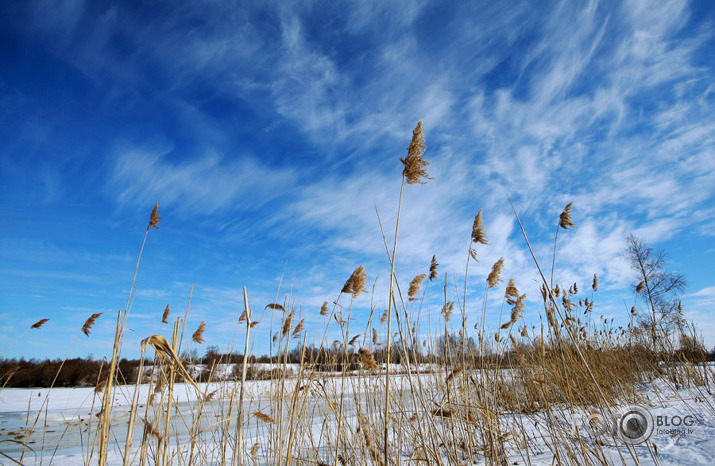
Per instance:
x=63, y=418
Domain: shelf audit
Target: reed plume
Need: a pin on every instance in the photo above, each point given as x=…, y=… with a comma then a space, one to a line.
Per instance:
x=198, y=335
x=39, y=323
x=447, y=310
x=287, y=323
x=516, y=311
x=415, y=287
x=167, y=353
x=454, y=373
x=511, y=293
x=640, y=287
x=433, y=268
x=324, y=309
x=100, y=386
x=89, y=323
x=275, y=306
x=494, y=276
x=298, y=328
x=165, y=316
x=478, y=235
x=595, y=283
x=415, y=165
x=473, y=253
x=367, y=359
x=565, y=217
x=264, y=417
x=155, y=218
x=356, y=283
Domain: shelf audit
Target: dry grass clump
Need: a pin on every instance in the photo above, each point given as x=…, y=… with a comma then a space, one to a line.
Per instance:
x=462, y=396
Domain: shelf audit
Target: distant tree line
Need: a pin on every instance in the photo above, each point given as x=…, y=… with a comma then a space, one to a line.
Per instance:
x=448, y=350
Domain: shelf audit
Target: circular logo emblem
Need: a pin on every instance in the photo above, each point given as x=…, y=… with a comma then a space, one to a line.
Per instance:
x=634, y=424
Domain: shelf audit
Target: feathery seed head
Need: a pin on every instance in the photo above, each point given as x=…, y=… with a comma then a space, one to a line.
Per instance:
x=595, y=283
x=298, y=328
x=493, y=279
x=415, y=165
x=165, y=316
x=89, y=323
x=478, y=235
x=287, y=323
x=198, y=335
x=356, y=283
x=39, y=323
x=264, y=417
x=155, y=218
x=511, y=294
x=433, y=268
x=447, y=310
x=324, y=309
x=565, y=217
x=415, y=287
x=640, y=287
x=367, y=359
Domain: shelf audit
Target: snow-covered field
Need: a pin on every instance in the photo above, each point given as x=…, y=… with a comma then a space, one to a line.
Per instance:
x=62, y=422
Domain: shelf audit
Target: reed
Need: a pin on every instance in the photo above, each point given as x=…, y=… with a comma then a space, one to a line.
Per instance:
x=441, y=393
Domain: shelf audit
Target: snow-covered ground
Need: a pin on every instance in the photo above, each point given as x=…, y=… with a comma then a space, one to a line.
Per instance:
x=62, y=420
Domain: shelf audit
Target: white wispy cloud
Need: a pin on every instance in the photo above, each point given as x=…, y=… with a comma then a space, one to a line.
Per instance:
x=204, y=184
x=605, y=105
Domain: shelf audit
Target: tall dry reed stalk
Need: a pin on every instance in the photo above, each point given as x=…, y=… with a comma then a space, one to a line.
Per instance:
x=414, y=172
x=154, y=220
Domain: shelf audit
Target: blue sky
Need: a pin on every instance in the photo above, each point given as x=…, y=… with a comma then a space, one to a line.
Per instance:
x=268, y=132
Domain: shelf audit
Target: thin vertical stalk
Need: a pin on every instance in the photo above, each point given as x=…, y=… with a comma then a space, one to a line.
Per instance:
x=107, y=401
x=389, y=327
x=239, y=425
x=167, y=418
x=133, y=413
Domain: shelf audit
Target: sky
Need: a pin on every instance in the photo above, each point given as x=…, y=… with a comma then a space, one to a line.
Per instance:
x=270, y=135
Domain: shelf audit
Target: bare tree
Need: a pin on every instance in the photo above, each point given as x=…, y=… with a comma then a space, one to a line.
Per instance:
x=659, y=288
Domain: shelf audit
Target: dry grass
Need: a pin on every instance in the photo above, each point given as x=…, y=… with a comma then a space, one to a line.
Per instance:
x=461, y=396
